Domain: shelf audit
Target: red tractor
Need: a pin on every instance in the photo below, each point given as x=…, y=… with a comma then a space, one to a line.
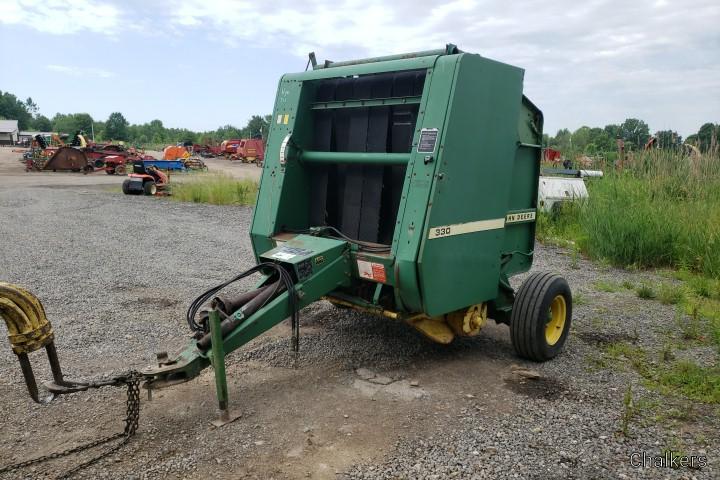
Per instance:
x=145, y=180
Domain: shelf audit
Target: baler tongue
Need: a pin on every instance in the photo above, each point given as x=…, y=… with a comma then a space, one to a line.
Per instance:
x=299, y=271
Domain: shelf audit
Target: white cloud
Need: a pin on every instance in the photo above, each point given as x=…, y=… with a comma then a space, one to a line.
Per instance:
x=655, y=53
x=591, y=62
x=80, y=71
x=62, y=17
x=372, y=25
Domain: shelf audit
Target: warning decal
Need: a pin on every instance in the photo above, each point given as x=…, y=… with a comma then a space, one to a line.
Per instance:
x=372, y=271
x=428, y=139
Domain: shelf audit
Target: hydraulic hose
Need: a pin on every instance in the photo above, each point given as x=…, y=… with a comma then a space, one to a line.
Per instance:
x=229, y=324
x=229, y=305
x=254, y=300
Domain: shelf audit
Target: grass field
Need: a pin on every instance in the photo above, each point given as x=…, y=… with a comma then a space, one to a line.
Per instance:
x=662, y=210
x=216, y=189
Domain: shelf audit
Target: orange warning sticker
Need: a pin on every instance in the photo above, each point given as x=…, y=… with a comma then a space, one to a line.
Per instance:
x=372, y=271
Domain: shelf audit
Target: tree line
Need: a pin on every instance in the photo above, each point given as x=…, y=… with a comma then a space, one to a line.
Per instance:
x=585, y=140
x=117, y=128
x=634, y=132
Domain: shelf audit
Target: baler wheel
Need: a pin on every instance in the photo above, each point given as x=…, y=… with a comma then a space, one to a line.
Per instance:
x=541, y=317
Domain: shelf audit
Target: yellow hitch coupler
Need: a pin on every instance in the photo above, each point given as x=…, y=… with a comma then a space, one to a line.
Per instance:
x=29, y=330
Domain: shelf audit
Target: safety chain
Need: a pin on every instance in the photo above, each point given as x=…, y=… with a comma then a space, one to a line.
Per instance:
x=132, y=380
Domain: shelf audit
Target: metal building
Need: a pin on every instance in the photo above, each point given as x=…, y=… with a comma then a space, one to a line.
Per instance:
x=8, y=132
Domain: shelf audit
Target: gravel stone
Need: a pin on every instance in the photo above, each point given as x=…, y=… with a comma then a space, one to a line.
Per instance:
x=116, y=274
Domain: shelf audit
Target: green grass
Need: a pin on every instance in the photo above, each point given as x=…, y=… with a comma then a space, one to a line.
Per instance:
x=215, y=189
x=646, y=291
x=693, y=381
x=629, y=411
x=670, y=294
x=697, y=320
x=579, y=298
x=670, y=377
x=663, y=210
x=690, y=326
x=607, y=286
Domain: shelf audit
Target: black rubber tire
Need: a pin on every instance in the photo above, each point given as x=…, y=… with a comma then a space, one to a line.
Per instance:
x=126, y=187
x=110, y=171
x=149, y=188
x=529, y=316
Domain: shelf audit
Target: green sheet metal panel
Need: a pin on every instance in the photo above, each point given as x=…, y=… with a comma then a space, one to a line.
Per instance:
x=282, y=199
x=463, y=235
x=418, y=184
x=520, y=235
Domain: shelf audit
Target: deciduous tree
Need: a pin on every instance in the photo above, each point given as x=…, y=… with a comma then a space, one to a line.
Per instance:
x=116, y=127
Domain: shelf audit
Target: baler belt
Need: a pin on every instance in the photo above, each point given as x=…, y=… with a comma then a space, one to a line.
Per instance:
x=323, y=141
x=354, y=174
x=318, y=194
x=377, y=141
x=319, y=173
x=341, y=131
x=362, y=201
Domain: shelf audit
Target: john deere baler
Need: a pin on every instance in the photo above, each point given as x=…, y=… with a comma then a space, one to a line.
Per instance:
x=403, y=186
x=427, y=166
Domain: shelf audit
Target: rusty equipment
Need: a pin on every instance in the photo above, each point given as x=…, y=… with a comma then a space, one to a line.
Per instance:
x=251, y=150
x=229, y=147
x=69, y=158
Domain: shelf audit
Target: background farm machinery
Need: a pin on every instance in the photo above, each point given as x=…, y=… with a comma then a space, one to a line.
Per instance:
x=111, y=158
x=247, y=150
x=145, y=179
x=79, y=156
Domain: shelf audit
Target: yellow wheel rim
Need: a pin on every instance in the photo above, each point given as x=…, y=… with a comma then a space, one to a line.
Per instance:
x=556, y=320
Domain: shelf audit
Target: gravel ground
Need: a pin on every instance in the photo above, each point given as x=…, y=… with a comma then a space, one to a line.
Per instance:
x=116, y=273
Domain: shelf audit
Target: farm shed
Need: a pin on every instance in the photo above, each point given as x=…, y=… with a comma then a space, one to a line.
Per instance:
x=8, y=132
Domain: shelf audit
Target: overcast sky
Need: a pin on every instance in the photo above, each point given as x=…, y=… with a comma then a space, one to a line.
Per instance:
x=205, y=63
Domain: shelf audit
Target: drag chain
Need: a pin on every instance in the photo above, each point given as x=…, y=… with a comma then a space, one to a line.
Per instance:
x=132, y=380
